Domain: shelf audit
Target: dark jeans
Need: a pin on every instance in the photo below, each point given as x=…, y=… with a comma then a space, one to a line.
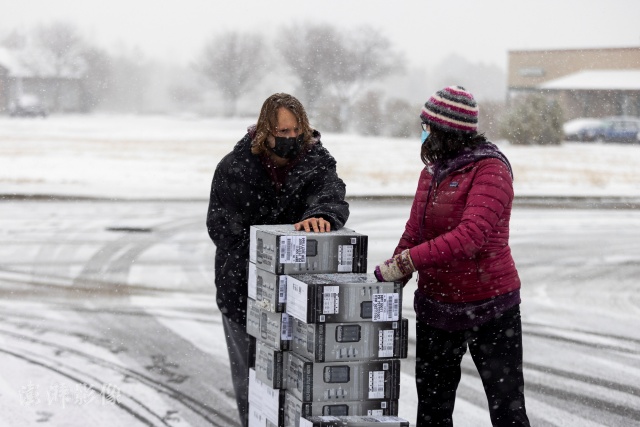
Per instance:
x=496, y=349
x=240, y=347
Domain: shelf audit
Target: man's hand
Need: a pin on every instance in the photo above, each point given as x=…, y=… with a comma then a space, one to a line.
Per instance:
x=318, y=225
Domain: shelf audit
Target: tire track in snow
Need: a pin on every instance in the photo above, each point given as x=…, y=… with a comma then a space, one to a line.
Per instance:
x=200, y=409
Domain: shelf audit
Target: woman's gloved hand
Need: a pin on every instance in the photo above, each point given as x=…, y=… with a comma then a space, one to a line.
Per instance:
x=396, y=268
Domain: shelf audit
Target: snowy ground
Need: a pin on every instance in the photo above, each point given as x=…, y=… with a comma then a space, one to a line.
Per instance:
x=90, y=313
x=166, y=158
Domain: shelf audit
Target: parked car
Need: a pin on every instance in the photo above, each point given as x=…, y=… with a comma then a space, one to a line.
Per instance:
x=619, y=129
x=583, y=129
x=27, y=106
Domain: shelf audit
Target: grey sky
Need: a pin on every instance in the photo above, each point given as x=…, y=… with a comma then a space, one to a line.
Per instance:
x=426, y=31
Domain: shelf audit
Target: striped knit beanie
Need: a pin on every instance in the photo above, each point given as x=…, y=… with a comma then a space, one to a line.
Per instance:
x=451, y=109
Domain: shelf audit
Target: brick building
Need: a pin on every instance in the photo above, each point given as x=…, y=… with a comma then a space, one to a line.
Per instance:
x=586, y=82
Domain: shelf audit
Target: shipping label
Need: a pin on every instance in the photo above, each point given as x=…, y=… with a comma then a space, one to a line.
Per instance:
x=385, y=307
x=293, y=249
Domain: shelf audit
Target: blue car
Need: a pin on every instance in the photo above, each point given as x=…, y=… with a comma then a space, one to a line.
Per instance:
x=618, y=129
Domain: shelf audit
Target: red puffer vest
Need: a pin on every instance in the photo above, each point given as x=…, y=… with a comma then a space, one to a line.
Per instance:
x=458, y=232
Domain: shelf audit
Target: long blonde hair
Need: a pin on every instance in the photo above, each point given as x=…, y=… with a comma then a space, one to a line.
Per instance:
x=268, y=120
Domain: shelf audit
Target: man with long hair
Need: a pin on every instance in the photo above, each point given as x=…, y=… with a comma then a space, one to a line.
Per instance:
x=278, y=173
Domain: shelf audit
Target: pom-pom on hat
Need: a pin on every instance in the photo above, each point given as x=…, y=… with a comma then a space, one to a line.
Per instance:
x=451, y=109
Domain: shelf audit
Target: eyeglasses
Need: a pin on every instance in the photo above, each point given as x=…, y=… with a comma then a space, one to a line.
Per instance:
x=424, y=126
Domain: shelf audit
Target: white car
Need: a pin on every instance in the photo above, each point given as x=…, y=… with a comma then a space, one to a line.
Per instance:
x=27, y=105
x=583, y=129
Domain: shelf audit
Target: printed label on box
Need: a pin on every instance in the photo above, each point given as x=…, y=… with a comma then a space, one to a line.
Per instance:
x=297, y=298
x=376, y=385
x=345, y=258
x=385, y=307
x=282, y=289
x=286, y=331
x=331, y=300
x=385, y=343
x=293, y=249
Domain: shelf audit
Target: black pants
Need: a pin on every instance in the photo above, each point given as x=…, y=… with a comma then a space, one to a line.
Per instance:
x=496, y=349
x=240, y=347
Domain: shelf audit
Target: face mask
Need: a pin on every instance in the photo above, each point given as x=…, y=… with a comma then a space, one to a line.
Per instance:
x=287, y=148
x=424, y=136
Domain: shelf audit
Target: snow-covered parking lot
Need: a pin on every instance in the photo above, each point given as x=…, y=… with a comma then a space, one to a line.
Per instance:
x=108, y=304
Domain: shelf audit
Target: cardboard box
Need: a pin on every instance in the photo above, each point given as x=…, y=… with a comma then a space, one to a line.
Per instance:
x=256, y=418
x=268, y=327
x=341, y=381
x=294, y=409
x=330, y=342
x=267, y=289
x=265, y=403
x=354, y=421
x=280, y=249
x=337, y=298
x=268, y=365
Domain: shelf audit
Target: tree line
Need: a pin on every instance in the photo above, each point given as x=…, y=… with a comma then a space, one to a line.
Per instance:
x=331, y=68
x=335, y=73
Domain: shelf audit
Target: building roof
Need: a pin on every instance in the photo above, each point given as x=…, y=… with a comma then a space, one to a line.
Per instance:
x=596, y=80
x=577, y=49
x=9, y=61
x=26, y=64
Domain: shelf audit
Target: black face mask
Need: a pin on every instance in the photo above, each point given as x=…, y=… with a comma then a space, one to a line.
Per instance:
x=288, y=148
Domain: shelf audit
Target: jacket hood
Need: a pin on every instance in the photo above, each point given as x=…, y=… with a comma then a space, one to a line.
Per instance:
x=467, y=156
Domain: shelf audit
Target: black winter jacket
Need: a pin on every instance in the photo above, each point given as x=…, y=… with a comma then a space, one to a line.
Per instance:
x=242, y=194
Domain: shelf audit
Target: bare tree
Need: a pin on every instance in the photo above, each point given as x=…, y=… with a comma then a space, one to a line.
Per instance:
x=336, y=65
x=369, y=118
x=233, y=62
x=366, y=56
x=186, y=97
x=487, y=82
x=129, y=79
x=61, y=54
x=310, y=51
x=401, y=119
x=96, y=78
x=14, y=40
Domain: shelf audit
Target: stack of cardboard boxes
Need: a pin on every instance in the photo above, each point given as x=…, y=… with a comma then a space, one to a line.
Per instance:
x=328, y=336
